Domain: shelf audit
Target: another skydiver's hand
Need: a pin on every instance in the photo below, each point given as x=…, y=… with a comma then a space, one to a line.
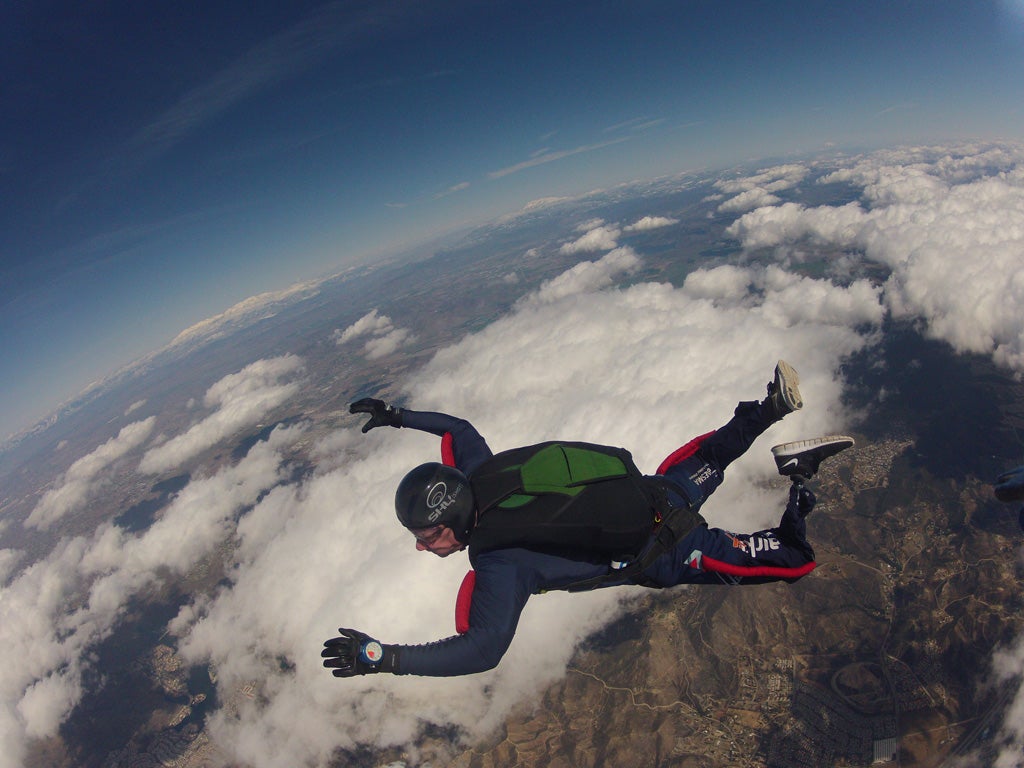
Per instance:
x=381, y=414
x=356, y=653
x=802, y=499
x=1010, y=485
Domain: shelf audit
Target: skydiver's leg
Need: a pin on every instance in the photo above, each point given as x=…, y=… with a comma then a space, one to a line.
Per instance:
x=729, y=442
x=792, y=529
x=719, y=449
x=716, y=556
x=751, y=419
x=706, y=466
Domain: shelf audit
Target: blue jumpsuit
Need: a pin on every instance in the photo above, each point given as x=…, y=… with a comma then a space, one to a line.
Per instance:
x=505, y=578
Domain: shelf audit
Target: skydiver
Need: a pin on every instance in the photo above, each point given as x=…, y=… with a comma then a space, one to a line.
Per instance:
x=438, y=504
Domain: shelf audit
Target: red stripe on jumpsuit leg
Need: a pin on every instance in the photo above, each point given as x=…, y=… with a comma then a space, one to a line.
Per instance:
x=718, y=566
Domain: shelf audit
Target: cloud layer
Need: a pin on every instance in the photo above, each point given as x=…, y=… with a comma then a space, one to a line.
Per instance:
x=759, y=190
x=85, y=476
x=949, y=224
x=55, y=611
x=240, y=400
x=646, y=367
x=385, y=338
x=950, y=229
x=629, y=367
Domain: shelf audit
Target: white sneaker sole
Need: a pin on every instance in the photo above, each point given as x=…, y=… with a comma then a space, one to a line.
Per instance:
x=789, y=453
x=788, y=382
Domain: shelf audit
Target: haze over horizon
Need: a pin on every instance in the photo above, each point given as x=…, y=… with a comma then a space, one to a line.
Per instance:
x=162, y=164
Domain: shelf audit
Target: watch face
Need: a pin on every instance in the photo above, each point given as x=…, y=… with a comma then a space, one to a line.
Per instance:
x=373, y=652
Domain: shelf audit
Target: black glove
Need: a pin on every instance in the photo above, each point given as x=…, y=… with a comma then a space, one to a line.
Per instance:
x=381, y=414
x=356, y=653
x=1010, y=485
x=801, y=499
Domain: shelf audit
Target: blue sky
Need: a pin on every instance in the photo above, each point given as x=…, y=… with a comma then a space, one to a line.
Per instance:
x=161, y=162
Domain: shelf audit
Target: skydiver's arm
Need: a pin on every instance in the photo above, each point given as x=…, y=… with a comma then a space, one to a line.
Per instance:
x=500, y=593
x=468, y=445
x=505, y=579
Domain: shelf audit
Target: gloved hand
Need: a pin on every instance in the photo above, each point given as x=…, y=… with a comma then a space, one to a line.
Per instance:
x=381, y=414
x=801, y=499
x=356, y=653
x=1010, y=485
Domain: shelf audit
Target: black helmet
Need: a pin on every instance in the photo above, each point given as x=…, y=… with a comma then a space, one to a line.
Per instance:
x=436, y=494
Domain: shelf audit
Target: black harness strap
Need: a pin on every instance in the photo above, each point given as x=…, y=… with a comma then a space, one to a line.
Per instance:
x=676, y=522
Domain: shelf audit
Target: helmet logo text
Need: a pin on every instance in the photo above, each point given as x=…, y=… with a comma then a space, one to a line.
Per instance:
x=438, y=499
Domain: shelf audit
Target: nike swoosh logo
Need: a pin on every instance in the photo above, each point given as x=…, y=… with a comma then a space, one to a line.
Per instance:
x=791, y=461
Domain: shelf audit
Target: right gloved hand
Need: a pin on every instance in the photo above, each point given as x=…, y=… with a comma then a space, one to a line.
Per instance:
x=381, y=414
x=356, y=653
x=1010, y=485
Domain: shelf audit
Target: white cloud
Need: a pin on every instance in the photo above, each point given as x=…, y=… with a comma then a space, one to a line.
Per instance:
x=387, y=344
x=773, y=179
x=9, y=559
x=551, y=157
x=241, y=400
x=790, y=222
x=1008, y=665
x=586, y=277
x=55, y=611
x=790, y=299
x=650, y=222
x=747, y=201
x=541, y=203
x=386, y=339
x=460, y=187
x=245, y=312
x=600, y=238
x=586, y=226
x=85, y=476
x=372, y=323
x=636, y=124
x=722, y=283
x=951, y=230
x=134, y=407
x=758, y=190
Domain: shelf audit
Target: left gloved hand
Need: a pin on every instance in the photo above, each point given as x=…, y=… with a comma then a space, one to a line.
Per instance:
x=381, y=414
x=1010, y=485
x=356, y=653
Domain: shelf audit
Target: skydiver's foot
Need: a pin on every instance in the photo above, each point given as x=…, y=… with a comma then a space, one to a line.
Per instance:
x=784, y=391
x=800, y=459
x=801, y=500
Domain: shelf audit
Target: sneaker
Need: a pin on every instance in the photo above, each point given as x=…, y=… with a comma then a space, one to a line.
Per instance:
x=802, y=457
x=784, y=392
